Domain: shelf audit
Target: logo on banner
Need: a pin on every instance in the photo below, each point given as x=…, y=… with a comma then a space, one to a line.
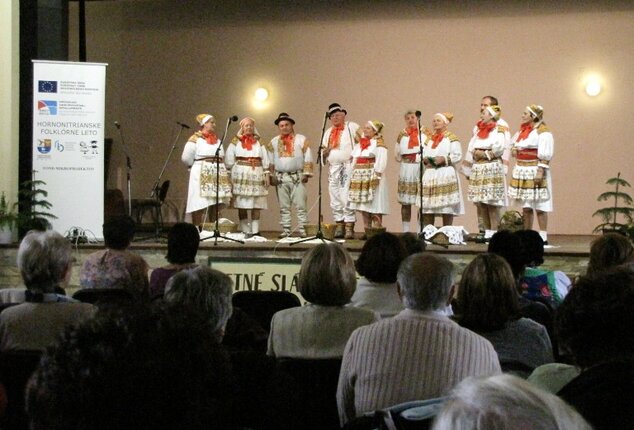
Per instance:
x=47, y=107
x=47, y=86
x=44, y=146
x=59, y=146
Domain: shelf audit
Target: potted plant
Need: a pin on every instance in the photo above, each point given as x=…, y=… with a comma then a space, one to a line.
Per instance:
x=8, y=219
x=34, y=207
x=621, y=210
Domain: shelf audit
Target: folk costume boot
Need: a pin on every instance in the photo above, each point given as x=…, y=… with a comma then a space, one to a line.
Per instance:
x=349, y=230
x=244, y=226
x=339, y=230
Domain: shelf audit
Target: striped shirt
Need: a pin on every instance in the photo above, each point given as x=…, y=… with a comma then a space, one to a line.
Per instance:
x=414, y=356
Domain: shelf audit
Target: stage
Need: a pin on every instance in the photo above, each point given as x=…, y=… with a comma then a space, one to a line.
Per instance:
x=274, y=265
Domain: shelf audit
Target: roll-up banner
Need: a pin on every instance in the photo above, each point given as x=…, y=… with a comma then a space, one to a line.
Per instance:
x=68, y=142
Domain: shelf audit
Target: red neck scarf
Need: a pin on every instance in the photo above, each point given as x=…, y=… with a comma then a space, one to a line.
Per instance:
x=288, y=143
x=335, y=136
x=247, y=141
x=525, y=130
x=437, y=138
x=210, y=137
x=485, y=128
x=412, y=133
x=365, y=143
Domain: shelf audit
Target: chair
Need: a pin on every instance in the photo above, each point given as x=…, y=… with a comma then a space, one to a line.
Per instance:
x=261, y=305
x=414, y=415
x=104, y=296
x=155, y=205
x=16, y=367
x=317, y=381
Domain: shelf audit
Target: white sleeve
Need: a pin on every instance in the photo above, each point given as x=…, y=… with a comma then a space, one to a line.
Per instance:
x=189, y=153
x=380, y=162
x=545, y=148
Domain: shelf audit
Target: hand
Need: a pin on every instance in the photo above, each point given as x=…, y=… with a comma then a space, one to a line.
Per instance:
x=326, y=152
x=514, y=152
x=440, y=161
x=304, y=179
x=539, y=176
x=478, y=155
x=426, y=162
x=273, y=179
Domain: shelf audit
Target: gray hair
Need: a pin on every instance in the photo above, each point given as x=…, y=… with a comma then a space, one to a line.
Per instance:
x=505, y=402
x=327, y=276
x=425, y=281
x=205, y=289
x=44, y=258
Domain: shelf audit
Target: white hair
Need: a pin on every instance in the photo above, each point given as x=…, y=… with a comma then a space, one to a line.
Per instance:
x=425, y=281
x=44, y=258
x=505, y=402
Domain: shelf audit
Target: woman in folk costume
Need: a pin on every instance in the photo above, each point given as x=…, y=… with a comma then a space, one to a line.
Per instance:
x=368, y=186
x=200, y=155
x=441, y=188
x=249, y=164
x=407, y=150
x=531, y=183
x=484, y=169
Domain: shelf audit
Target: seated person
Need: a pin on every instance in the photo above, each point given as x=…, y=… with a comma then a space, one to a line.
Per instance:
x=537, y=284
x=321, y=328
x=116, y=267
x=488, y=305
x=505, y=402
x=138, y=368
x=378, y=264
x=610, y=250
x=45, y=261
x=182, y=245
x=596, y=328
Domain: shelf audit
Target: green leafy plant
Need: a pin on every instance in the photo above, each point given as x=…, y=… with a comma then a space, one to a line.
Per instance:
x=621, y=210
x=34, y=207
x=8, y=215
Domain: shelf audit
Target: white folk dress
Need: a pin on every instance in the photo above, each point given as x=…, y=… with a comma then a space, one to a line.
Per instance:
x=367, y=192
x=441, y=188
x=248, y=174
x=409, y=171
x=487, y=181
x=199, y=155
x=533, y=152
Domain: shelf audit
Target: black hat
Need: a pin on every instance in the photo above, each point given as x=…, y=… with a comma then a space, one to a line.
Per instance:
x=284, y=117
x=335, y=107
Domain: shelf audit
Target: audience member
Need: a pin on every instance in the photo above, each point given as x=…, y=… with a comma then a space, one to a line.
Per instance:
x=418, y=354
x=537, y=284
x=505, y=402
x=608, y=251
x=45, y=261
x=182, y=245
x=488, y=304
x=596, y=328
x=412, y=243
x=321, y=328
x=135, y=368
x=378, y=264
x=116, y=267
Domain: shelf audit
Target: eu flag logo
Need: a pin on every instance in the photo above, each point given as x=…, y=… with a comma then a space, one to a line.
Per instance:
x=47, y=86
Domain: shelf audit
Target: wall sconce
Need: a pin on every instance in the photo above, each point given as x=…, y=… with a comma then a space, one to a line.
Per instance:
x=593, y=86
x=261, y=94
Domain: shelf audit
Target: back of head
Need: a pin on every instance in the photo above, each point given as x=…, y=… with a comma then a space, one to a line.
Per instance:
x=610, y=250
x=412, y=243
x=508, y=245
x=594, y=323
x=425, y=281
x=135, y=368
x=182, y=243
x=44, y=257
x=205, y=289
x=487, y=298
x=118, y=232
x=533, y=247
x=505, y=402
x=327, y=276
x=380, y=258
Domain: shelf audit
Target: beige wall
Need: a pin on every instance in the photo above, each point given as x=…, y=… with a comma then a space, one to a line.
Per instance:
x=9, y=97
x=169, y=60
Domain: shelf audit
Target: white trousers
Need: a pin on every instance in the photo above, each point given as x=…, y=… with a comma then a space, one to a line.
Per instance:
x=291, y=192
x=338, y=179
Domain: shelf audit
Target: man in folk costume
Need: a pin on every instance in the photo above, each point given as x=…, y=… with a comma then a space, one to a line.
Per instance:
x=531, y=182
x=337, y=149
x=200, y=155
x=291, y=164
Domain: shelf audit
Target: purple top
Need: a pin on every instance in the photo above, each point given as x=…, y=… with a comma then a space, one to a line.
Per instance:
x=158, y=280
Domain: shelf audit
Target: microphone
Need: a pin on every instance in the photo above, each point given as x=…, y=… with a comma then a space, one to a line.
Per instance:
x=182, y=125
x=418, y=114
x=116, y=124
x=234, y=118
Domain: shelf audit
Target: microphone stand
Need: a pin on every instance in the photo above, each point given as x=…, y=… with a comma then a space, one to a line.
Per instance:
x=421, y=171
x=320, y=234
x=128, y=168
x=216, y=233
